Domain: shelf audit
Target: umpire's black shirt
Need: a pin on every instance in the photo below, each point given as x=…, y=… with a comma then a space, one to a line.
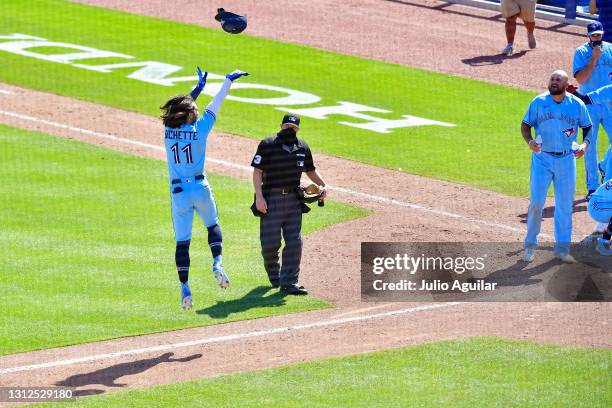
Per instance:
x=283, y=158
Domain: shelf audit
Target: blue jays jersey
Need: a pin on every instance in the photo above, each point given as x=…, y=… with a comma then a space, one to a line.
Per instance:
x=186, y=147
x=602, y=73
x=557, y=123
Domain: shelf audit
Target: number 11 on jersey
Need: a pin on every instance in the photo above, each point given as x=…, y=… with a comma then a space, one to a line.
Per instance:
x=186, y=149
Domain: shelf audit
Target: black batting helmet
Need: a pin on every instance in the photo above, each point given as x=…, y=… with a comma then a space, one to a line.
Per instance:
x=230, y=22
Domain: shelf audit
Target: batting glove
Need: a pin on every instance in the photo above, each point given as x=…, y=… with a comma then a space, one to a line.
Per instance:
x=201, y=83
x=236, y=74
x=201, y=78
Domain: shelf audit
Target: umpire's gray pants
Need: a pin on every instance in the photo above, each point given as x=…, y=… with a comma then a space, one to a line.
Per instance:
x=284, y=216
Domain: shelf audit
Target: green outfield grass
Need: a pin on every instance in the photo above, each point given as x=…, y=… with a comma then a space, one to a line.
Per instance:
x=88, y=248
x=476, y=372
x=485, y=149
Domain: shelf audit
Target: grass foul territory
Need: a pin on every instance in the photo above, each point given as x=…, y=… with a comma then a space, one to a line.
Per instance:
x=466, y=373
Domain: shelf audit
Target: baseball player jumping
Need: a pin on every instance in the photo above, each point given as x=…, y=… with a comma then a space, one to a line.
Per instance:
x=186, y=134
x=556, y=117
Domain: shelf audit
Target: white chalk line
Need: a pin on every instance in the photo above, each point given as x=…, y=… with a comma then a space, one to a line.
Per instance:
x=367, y=196
x=221, y=339
x=5, y=92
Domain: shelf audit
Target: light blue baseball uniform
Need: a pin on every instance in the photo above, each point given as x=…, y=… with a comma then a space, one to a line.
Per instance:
x=600, y=205
x=601, y=76
x=186, y=157
x=557, y=124
x=603, y=96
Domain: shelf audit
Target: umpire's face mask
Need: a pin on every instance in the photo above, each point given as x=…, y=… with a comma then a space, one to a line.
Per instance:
x=288, y=133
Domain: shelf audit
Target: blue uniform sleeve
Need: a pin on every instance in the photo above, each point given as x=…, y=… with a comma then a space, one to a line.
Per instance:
x=602, y=96
x=205, y=124
x=580, y=61
x=585, y=119
x=531, y=115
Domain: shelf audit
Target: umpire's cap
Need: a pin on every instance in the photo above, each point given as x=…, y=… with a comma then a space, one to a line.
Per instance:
x=291, y=119
x=230, y=22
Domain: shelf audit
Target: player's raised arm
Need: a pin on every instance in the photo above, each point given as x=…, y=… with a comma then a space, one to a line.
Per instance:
x=214, y=106
x=200, y=86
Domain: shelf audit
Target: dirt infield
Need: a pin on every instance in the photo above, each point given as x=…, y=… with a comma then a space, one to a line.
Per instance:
x=428, y=34
x=424, y=210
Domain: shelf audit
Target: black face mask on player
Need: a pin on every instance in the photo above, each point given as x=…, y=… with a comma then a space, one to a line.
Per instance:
x=596, y=43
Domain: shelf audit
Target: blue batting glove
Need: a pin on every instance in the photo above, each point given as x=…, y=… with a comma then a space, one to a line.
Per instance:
x=201, y=78
x=236, y=74
x=200, y=86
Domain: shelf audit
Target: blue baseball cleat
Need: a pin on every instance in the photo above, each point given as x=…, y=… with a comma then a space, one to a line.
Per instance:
x=603, y=247
x=221, y=276
x=186, y=296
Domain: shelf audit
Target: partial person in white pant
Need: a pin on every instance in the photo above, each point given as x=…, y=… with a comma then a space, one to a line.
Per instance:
x=555, y=116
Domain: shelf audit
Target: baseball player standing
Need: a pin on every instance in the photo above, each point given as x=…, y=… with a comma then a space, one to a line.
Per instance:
x=602, y=96
x=556, y=117
x=185, y=139
x=593, y=69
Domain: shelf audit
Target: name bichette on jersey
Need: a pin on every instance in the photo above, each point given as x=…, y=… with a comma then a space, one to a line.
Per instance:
x=174, y=134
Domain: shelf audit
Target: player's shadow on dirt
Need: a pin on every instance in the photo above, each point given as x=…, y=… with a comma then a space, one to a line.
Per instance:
x=549, y=212
x=496, y=59
x=520, y=273
x=108, y=375
x=255, y=298
x=587, y=280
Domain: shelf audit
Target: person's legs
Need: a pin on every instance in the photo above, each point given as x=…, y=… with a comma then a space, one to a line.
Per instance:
x=591, y=165
x=292, y=252
x=270, y=238
x=206, y=208
x=564, y=180
x=605, y=166
x=540, y=179
x=531, y=40
x=528, y=8
x=181, y=258
x=182, y=221
x=510, y=29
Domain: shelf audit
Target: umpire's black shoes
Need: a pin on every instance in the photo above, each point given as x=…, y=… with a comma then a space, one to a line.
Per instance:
x=293, y=290
x=274, y=284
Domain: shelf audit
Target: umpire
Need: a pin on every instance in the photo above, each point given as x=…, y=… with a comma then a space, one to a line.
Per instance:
x=278, y=165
